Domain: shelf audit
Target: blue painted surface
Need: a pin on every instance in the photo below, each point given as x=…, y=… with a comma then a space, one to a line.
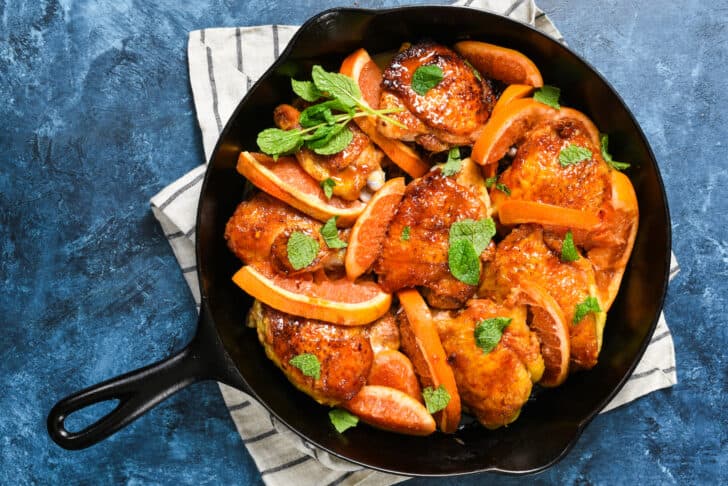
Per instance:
x=96, y=117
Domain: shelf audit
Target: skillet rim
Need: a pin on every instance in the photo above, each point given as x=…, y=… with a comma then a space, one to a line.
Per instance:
x=317, y=18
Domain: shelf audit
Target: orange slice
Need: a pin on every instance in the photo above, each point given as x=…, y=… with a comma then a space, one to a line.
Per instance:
x=422, y=344
x=511, y=93
x=510, y=123
x=513, y=211
x=337, y=301
x=550, y=326
x=501, y=63
x=370, y=229
x=392, y=410
x=287, y=181
x=360, y=67
x=393, y=369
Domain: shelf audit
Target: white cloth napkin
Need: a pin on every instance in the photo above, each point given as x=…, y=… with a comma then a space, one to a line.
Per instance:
x=223, y=63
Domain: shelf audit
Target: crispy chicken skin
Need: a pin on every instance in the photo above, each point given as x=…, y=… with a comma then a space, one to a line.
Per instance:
x=349, y=169
x=495, y=385
x=452, y=113
x=258, y=232
x=431, y=204
x=523, y=255
x=343, y=351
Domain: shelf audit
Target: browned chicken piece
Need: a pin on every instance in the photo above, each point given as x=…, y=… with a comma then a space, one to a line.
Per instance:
x=258, y=232
x=494, y=385
x=431, y=204
x=450, y=114
x=343, y=352
x=524, y=256
x=355, y=167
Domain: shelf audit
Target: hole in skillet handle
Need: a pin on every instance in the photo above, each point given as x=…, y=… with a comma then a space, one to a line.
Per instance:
x=138, y=391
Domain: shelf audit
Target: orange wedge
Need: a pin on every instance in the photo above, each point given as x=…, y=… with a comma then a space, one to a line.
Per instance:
x=287, y=181
x=390, y=409
x=370, y=229
x=422, y=344
x=550, y=326
x=514, y=119
x=511, y=212
x=360, y=67
x=393, y=369
x=511, y=93
x=337, y=301
x=503, y=64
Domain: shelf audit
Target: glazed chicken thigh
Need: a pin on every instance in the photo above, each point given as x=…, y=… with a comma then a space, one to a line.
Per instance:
x=451, y=113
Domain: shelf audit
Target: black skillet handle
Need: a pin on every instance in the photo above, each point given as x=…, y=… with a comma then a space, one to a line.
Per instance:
x=204, y=358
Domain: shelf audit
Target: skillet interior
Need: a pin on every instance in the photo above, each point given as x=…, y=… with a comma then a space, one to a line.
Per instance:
x=552, y=421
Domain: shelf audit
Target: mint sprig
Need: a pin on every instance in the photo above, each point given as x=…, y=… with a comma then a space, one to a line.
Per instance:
x=342, y=420
x=436, y=399
x=548, y=95
x=308, y=364
x=323, y=125
x=589, y=305
x=453, y=164
x=573, y=154
x=568, y=249
x=302, y=250
x=331, y=234
x=488, y=332
x=468, y=239
x=604, y=142
x=425, y=78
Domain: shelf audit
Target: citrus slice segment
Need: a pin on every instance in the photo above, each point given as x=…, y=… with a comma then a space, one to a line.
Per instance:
x=511, y=93
x=422, y=344
x=511, y=212
x=370, y=229
x=360, y=67
x=286, y=180
x=337, y=301
x=393, y=369
x=550, y=326
x=511, y=122
x=392, y=410
x=501, y=63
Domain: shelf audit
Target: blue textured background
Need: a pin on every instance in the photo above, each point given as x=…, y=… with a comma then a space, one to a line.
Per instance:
x=96, y=117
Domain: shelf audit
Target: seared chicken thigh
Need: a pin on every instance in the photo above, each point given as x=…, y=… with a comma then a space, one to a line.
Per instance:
x=451, y=113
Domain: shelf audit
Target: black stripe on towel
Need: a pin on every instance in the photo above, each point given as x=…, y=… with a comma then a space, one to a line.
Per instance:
x=276, y=50
x=513, y=7
x=651, y=372
x=660, y=337
x=213, y=87
x=239, y=406
x=182, y=189
x=174, y=235
x=189, y=269
x=341, y=478
x=239, y=49
x=295, y=462
x=262, y=436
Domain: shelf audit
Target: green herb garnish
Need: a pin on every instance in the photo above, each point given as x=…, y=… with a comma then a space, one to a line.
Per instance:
x=468, y=239
x=323, y=125
x=573, y=154
x=488, y=332
x=479, y=233
x=405, y=234
x=425, y=78
x=590, y=304
x=604, y=139
x=490, y=181
x=302, y=250
x=475, y=71
x=568, y=249
x=328, y=186
x=308, y=364
x=493, y=181
x=548, y=95
x=342, y=420
x=437, y=399
x=453, y=164
x=331, y=234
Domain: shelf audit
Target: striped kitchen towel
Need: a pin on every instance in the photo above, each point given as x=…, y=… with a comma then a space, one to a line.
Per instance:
x=223, y=64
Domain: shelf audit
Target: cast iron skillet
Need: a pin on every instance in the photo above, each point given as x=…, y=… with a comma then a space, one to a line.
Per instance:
x=225, y=350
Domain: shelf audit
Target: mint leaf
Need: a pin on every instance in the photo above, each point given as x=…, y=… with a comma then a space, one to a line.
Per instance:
x=568, y=249
x=331, y=234
x=274, y=141
x=488, y=332
x=464, y=262
x=475, y=71
x=453, y=164
x=548, y=95
x=306, y=90
x=590, y=304
x=425, y=78
x=338, y=86
x=503, y=188
x=335, y=143
x=342, y=420
x=478, y=233
x=573, y=154
x=490, y=181
x=308, y=364
x=437, y=399
x=604, y=139
x=302, y=250
x=328, y=186
x=405, y=234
